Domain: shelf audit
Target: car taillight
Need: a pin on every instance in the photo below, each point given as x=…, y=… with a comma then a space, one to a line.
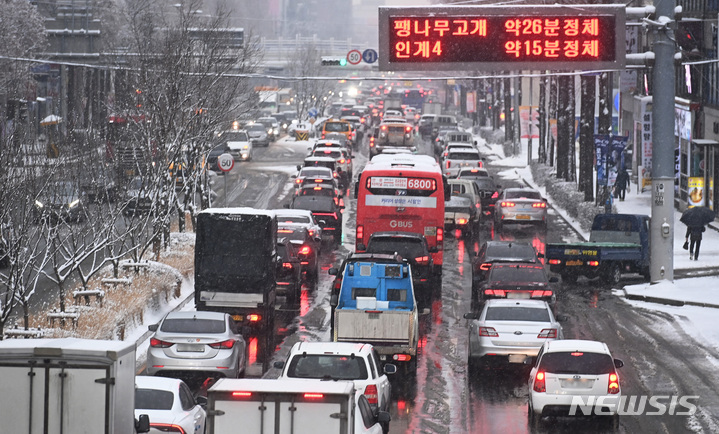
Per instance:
x=613, y=387
x=555, y=261
x=319, y=181
x=593, y=263
x=507, y=204
x=402, y=357
x=383, y=128
x=317, y=188
x=241, y=394
x=495, y=292
x=224, y=345
x=461, y=221
x=488, y=332
x=305, y=250
x=323, y=135
x=440, y=236
x=449, y=163
x=337, y=285
x=539, y=205
x=156, y=343
x=407, y=129
x=480, y=164
x=422, y=260
x=167, y=427
x=359, y=233
x=342, y=161
x=313, y=395
x=547, y=334
x=298, y=181
x=541, y=293
x=254, y=317
x=370, y=392
x=486, y=266
x=287, y=265
x=495, y=195
x=539, y=385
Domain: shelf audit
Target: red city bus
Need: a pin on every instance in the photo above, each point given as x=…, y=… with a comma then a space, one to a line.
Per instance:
x=405, y=193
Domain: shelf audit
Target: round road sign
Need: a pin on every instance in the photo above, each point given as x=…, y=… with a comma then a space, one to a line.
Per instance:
x=354, y=57
x=369, y=55
x=225, y=162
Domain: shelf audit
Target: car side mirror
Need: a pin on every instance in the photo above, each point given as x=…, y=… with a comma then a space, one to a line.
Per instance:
x=383, y=417
x=142, y=424
x=389, y=368
x=618, y=363
x=278, y=365
x=553, y=279
x=334, y=300
x=332, y=271
x=153, y=327
x=471, y=315
x=287, y=205
x=201, y=401
x=299, y=167
x=562, y=318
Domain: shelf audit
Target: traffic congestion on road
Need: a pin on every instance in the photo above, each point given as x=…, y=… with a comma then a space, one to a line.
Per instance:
x=499, y=343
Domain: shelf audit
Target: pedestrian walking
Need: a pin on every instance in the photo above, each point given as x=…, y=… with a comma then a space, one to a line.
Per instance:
x=694, y=236
x=621, y=183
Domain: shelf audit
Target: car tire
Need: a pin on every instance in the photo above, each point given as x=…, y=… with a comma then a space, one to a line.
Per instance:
x=614, y=274
x=535, y=421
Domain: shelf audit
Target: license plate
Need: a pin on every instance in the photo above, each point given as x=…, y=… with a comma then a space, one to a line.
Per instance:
x=516, y=358
x=574, y=262
x=184, y=348
x=238, y=318
x=523, y=217
x=517, y=294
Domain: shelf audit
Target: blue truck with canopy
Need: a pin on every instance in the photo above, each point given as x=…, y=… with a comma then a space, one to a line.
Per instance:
x=618, y=243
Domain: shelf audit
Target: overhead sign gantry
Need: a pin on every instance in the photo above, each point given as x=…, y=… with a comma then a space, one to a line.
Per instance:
x=502, y=38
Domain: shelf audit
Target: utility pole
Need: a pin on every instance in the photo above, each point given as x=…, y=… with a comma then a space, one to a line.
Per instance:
x=662, y=223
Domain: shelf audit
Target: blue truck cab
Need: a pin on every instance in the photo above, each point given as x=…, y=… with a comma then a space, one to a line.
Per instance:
x=376, y=305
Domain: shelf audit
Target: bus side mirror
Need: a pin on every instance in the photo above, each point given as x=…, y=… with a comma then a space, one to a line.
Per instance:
x=356, y=192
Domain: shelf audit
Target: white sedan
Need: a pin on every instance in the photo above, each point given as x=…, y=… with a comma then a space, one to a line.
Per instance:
x=170, y=405
x=510, y=331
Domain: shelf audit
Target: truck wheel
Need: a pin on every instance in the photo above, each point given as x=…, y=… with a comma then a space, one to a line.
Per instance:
x=614, y=274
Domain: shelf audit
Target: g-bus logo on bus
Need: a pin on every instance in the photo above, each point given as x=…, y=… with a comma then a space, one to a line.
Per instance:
x=490, y=38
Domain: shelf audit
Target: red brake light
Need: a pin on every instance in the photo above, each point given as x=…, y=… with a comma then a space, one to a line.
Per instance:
x=319, y=181
x=462, y=221
x=313, y=395
x=422, y=260
x=495, y=292
x=156, y=343
x=402, y=357
x=167, y=427
x=224, y=345
x=555, y=261
x=317, y=188
x=285, y=231
x=489, y=332
x=495, y=195
x=304, y=250
x=342, y=161
x=541, y=293
x=254, y=317
x=407, y=129
x=539, y=205
x=613, y=388
x=383, y=127
x=480, y=164
x=547, y=334
x=440, y=236
x=242, y=394
x=370, y=392
x=486, y=266
x=287, y=265
x=359, y=233
x=539, y=385
x=593, y=263
x=577, y=354
x=507, y=204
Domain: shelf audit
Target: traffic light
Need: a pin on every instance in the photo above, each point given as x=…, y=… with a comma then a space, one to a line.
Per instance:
x=334, y=61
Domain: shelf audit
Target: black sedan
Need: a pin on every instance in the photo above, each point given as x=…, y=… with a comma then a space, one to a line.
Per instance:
x=516, y=281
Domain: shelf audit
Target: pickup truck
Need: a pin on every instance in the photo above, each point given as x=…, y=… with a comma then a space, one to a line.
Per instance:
x=289, y=406
x=618, y=243
x=376, y=305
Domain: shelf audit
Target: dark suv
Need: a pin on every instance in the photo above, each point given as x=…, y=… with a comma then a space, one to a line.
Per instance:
x=501, y=251
x=289, y=273
x=412, y=247
x=307, y=249
x=327, y=212
x=515, y=280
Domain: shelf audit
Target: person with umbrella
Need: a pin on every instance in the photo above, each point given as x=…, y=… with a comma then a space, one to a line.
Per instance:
x=696, y=218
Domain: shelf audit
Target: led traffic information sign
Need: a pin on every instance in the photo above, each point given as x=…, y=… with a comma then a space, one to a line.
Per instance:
x=509, y=38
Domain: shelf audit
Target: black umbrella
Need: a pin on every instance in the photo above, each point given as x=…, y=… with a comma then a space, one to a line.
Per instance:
x=698, y=216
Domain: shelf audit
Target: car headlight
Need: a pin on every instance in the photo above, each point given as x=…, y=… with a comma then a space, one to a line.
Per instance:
x=284, y=126
x=39, y=204
x=269, y=131
x=74, y=203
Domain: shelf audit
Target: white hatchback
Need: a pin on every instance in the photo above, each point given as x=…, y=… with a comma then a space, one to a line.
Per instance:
x=571, y=377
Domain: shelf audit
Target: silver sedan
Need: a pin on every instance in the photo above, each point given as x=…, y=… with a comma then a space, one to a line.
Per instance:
x=197, y=342
x=510, y=331
x=520, y=205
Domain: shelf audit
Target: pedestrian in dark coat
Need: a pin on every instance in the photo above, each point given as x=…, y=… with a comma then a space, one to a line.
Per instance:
x=622, y=183
x=694, y=236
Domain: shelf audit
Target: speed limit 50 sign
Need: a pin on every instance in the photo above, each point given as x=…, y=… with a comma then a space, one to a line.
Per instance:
x=225, y=162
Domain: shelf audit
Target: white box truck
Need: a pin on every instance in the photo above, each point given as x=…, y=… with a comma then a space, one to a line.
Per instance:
x=288, y=406
x=72, y=386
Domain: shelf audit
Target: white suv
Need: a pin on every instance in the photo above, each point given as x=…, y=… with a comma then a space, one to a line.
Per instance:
x=574, y=375
x=342, y=361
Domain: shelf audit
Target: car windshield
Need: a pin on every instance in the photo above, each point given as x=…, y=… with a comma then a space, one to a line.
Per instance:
x=577, y=362
x=517, y=273
x=293, y=234
x=337, y=367
x=463, y=156
x=317, y=191
x=484, y=183
x=235, y=136
x=406, y=247
x=337, y=126
x=522, y=194
x=511, y=251
x=256, y=127
x=153, y=399
x=315, y=172
x=192, y=325
x=327, y=153
x=516, y=313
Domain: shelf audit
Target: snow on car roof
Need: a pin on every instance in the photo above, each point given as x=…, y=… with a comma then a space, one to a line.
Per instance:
x=238, y=210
